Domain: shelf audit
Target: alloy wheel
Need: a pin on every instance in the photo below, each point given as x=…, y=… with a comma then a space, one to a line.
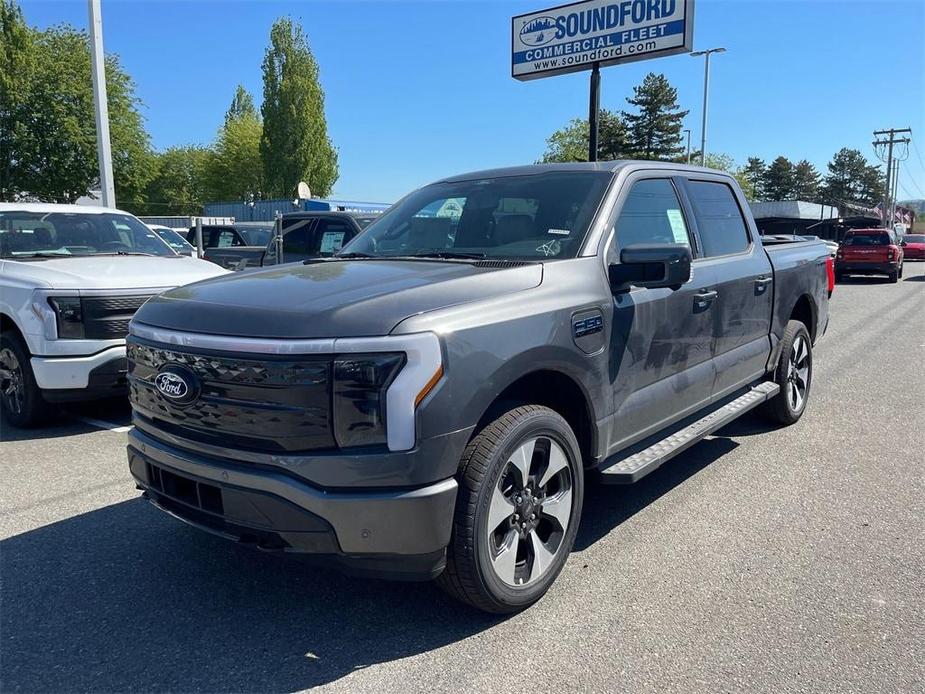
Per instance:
x=798, y=373
x=12, y=384
x=529, y=511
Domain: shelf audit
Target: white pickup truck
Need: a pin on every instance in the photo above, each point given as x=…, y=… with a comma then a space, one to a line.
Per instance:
x=71, y=278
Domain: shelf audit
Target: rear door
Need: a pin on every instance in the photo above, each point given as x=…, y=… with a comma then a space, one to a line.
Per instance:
x=661, y=343
x=743, y=281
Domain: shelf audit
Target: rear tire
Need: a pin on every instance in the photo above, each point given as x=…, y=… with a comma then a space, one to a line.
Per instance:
x=794, y=375
x=894, y=277
x=21, y=399
x=521, y=486
x=839, y=277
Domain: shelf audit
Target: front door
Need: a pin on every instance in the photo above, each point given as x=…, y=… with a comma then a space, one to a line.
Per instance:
x=662, y=339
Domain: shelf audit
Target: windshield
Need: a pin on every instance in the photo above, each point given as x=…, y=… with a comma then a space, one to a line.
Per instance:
x=257, y=237
x=543, y=216
x=35, y=234
x=364, y=222
x=867, y=240
x=914, y=238
x=174, y=240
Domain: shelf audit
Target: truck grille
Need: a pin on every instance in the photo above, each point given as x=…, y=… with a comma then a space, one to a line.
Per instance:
x=107, y=317
x=263, y=404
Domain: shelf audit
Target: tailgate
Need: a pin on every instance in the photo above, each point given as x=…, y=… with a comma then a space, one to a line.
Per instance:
x=865, y=254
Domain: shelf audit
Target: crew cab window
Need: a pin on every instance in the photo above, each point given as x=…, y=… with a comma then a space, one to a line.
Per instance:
x=650, y=214
x=299, y=237
x=719, y=219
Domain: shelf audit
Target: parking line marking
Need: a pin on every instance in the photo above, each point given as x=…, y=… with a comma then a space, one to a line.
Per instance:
x=118, y=428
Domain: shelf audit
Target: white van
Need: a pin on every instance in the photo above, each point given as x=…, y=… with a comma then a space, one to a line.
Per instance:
x=71, y=277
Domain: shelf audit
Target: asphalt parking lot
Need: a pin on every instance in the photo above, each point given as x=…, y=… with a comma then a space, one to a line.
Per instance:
x=761, y=560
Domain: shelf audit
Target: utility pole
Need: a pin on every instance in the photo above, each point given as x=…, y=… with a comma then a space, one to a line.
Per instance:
x=706, y=92
x=888, y=143
x=103, y=144
x=895, y=193
x=688, y=131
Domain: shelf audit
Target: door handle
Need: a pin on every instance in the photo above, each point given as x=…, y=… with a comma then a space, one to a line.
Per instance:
x=762, y=283
x=704, y=299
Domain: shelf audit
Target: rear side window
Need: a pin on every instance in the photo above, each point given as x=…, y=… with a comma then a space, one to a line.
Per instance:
x=650, y=214
x=719, y=219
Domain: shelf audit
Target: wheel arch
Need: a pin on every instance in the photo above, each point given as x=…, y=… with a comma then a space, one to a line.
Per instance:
x=805, y=311
x=559, y=392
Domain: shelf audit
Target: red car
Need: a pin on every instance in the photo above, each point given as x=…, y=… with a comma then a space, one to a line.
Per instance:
x=913, y=246
x=870, y=252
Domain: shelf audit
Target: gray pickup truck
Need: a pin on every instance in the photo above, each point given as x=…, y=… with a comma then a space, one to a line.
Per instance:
x=430, y=402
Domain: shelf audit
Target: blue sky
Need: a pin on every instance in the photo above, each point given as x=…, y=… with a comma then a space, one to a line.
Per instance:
x=419, y=90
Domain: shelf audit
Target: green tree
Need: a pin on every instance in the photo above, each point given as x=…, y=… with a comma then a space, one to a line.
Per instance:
x=654, y=130
x=779, y=180
x=806, y=181
x=235, y=171
x=180, y=184
x=52, y=142
x=242, y=104
x=295, y=145
x=852, y=179
x=16, y=63
x=753, y=174
x=571, y=142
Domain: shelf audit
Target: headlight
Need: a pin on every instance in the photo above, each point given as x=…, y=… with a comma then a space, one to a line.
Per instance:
x=68, y=316
x=359, y=397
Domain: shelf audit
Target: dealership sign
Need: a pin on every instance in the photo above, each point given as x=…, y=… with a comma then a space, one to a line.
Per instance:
x=574, y=37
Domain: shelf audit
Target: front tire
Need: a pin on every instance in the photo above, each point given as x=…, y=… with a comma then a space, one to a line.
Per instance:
x=21, y=399
x=521, y=487
x=794, y=375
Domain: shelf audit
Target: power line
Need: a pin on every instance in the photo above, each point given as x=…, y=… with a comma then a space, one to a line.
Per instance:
x=888, y=144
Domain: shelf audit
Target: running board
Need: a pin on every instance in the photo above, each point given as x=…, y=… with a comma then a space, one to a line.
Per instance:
x=632, y=468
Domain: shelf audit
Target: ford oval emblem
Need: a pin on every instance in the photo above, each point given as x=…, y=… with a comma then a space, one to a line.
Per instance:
x=177, y=385
x=538, y=31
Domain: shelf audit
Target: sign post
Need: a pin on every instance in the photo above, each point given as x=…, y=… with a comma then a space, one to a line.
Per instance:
x=592, y=34
x=594, y=110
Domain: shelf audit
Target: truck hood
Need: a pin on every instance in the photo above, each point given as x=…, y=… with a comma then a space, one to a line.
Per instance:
x=352, y=298
x=110, y=272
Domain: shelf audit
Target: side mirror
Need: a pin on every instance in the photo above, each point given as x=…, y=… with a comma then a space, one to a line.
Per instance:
x=652, y=266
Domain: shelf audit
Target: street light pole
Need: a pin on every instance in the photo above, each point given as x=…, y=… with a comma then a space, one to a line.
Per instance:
x=103, y=144
x=706, y=92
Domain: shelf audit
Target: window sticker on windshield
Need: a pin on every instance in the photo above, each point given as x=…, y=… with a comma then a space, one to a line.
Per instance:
x=678, y=230
x=550, y=248
x=560, y=232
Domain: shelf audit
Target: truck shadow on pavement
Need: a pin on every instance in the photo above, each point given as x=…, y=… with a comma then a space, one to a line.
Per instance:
x=126, y=599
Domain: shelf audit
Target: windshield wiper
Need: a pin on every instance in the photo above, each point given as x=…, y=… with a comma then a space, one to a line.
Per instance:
x=42, y=254
x=449, y=255
x=353, y=255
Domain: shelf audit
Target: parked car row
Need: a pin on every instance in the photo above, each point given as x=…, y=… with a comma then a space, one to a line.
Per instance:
x=306, y=235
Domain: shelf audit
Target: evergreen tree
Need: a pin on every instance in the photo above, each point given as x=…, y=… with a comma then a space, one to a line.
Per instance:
x=654, y=130
x=571, y=142
x=242, y=104
x=852, y=179
x=753, y=173
x=779, y=180
x=294, y=145
x=805, y=181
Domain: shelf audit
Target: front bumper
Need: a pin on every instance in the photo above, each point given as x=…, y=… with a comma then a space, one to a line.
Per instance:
x=99, y=375
x=394, y=533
